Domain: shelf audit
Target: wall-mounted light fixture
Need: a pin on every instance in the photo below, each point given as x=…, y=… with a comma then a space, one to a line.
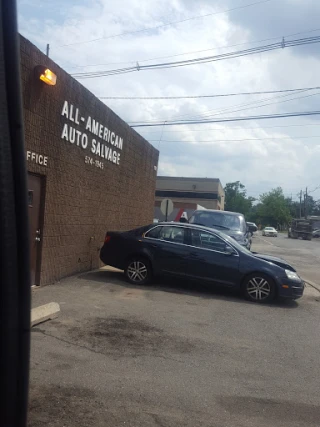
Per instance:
x=46, y=75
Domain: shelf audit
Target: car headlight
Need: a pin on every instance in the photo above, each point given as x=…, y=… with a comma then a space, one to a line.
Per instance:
x=292, y=275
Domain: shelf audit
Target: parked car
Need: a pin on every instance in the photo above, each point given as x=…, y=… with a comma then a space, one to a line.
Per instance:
x=201, y=253
x=269, y=231
x=230, y=223
x=316, y=233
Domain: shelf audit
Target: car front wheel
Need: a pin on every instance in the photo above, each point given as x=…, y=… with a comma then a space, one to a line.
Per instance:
x=259, y=288
x=138, y=271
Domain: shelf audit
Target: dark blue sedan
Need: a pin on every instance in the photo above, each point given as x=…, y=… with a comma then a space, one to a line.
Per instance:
x=200, y=253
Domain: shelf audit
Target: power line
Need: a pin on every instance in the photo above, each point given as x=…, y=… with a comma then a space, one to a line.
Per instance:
x=238, y=140
x=228, y=119
x=196, y=51
x=232, y=109
x=209, y=96
x=166, y=24
x=232, y=128
x=201, y=60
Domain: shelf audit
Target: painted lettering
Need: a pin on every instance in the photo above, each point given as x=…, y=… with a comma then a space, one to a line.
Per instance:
x=65, y=110
x=100, y=131
x=112, y=138
x=72, y=135
x=114, y=157
x=95, y=127
x=88, y=124
x=76, y=117
x=84, y=141
x=64, y=134
x=78, y=137
x=71, y=118
x=93, y=146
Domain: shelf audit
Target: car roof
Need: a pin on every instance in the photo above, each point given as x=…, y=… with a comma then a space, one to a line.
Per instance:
x=218, y=212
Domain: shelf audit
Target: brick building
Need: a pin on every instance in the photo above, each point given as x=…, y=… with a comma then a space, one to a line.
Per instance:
x=88, y=171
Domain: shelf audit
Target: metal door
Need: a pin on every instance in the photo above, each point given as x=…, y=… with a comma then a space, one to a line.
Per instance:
x=35, y=203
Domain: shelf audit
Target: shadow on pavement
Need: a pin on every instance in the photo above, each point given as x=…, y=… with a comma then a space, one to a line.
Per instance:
x=182, y=286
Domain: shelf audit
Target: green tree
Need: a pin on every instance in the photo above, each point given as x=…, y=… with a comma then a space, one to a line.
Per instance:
x=273, y=208
x=236, y=199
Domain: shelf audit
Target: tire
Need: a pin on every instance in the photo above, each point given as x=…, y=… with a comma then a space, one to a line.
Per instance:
x=259, y=287
x=138, y=271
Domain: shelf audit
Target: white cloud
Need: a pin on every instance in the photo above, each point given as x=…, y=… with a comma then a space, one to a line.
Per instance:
x=291, y=163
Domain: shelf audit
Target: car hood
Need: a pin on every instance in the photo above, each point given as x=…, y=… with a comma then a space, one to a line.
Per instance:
x=278, y=261
x=237, y=235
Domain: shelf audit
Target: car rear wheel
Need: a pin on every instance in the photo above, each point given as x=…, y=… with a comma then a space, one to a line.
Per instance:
x=138, y=271
x=259, y=287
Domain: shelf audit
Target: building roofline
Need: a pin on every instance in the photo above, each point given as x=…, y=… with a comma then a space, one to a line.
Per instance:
x=181, y=178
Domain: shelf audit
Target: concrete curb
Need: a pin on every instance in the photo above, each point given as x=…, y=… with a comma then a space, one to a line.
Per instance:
x=44, y=312
x=312, y=284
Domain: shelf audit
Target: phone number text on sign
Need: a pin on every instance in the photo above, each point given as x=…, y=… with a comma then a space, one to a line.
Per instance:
x=90, y=161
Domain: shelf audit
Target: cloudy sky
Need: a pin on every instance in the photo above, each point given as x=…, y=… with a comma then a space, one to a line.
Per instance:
x=87, y=35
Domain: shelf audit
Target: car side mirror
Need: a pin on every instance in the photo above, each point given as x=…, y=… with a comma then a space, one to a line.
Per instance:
x=228, y=250
x=251, y=228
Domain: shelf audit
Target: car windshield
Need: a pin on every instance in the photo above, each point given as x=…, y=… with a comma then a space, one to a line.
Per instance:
x=217, y=219
x=269, y=228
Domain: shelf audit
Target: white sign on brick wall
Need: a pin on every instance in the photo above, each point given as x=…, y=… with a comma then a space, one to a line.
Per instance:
x=90, y=135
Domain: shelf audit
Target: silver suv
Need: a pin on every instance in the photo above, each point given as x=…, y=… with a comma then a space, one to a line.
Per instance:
x=231, y=223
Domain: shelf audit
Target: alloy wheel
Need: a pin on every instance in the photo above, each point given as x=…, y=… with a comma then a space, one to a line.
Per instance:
x=258, y=288
x=137, y=271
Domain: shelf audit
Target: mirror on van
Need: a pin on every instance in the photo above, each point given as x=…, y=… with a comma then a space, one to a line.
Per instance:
x=251, y=227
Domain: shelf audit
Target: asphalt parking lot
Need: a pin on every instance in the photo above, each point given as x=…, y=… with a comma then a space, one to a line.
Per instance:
x=174, y=354
x=304, y=255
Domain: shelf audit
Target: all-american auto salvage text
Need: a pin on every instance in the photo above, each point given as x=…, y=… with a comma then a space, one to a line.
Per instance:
x=106, y=143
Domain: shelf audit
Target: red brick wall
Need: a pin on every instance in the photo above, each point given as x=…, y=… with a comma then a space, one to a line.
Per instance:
x=82, y=201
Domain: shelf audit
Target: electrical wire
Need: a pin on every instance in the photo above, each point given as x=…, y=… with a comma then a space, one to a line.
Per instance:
x=166, y=24
x=248, y=106
x=232, y=128
x=237, y=140
x=209, y=96
x=228, y=119
x=201, y=60
x=195, y=51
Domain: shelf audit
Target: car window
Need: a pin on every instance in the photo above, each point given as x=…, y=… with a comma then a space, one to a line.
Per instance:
x=154, y=233
x=202, y=239
x=172, y=234
x=224, y=220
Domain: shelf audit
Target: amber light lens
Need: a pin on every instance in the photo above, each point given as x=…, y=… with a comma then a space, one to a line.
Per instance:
x=48, y=77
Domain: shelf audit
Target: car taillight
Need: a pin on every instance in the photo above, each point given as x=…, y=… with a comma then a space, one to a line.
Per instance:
x=107, y=239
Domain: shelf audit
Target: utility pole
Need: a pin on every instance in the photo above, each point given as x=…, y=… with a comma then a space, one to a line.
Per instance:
x=300, y=203
x=306, y=204
x=48, y=49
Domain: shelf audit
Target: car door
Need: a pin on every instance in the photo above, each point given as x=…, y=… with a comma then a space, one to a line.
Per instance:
x=168, y=248
x=211, y=258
